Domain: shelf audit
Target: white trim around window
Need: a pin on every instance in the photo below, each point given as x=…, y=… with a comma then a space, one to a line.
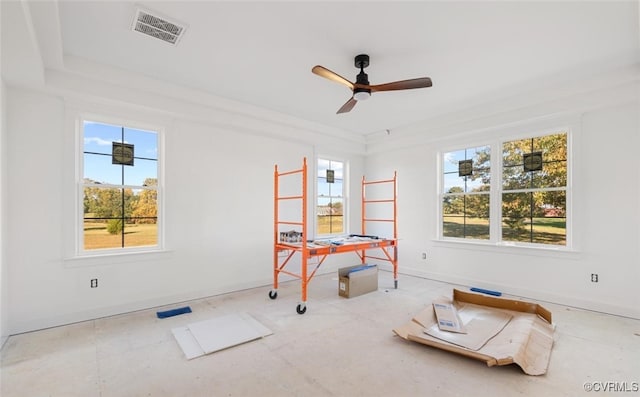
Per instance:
x=77, y=251
x=495, y=143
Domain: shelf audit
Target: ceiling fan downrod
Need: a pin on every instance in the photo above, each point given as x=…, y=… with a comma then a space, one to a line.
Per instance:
x=360, y=94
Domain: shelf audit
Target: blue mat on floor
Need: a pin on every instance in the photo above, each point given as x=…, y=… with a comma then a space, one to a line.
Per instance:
x=173, y=312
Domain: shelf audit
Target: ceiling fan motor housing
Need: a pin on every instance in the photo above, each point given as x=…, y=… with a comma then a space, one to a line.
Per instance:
x=362, y=61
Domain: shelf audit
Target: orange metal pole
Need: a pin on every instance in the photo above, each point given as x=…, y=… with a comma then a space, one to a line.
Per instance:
x=395, y=206
x=305, y=249
x=363, y=218
x=275, y=228
x=395, y=229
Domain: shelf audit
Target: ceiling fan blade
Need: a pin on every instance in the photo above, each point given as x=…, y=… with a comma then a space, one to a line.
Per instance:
x=328, y=74
x=347, y=106
x=422, y=82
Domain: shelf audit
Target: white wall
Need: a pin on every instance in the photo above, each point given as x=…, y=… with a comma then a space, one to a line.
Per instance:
x=4, y=303
x=218, y=213
x=605, y=207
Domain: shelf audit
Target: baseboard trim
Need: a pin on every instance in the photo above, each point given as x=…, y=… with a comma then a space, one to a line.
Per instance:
x=541, y=296
x=20, y=327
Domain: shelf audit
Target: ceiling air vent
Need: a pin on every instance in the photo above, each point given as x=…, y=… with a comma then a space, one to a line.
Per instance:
x=156, y=26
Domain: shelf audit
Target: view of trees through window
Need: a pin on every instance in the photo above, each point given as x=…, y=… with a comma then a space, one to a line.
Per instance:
x=330, y=200
x=465, y=205
x=533, y=189
x=120, y=187
x=534, y=197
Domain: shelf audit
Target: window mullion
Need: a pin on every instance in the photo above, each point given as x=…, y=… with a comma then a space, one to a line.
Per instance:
x=495, y=217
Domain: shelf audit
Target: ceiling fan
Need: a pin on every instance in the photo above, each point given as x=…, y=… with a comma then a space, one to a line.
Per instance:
x=361, y=88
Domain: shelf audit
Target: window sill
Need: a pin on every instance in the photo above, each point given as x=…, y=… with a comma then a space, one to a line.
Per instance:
x=507, y=248
x=110, y=258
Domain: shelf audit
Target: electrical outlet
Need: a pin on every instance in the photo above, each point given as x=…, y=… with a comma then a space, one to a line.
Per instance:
x=94, y=283
x=424, y=255
x=594, y=277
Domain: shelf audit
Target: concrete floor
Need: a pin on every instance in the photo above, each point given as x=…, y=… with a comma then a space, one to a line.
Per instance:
x=340, y=347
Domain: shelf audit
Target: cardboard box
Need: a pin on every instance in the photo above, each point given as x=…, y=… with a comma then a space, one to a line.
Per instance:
x=357, y=280
x=499, y=331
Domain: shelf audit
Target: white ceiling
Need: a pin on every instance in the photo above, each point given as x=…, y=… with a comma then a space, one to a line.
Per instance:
x=261, y=53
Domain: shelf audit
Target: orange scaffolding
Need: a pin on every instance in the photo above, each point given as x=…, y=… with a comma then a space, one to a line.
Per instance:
x=310, y=249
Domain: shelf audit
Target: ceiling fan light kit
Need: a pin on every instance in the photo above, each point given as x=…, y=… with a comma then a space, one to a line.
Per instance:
x=361, y=95
x=361, y=89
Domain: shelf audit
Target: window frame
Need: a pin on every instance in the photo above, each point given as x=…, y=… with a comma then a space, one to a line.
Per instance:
x=495, y=145
x=345, y=196
x=127, y=123
x=533, y=190
x=464, y=194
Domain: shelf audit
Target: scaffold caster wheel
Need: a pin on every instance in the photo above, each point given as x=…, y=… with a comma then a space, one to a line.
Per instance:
x=273, y=294
x=301, y=309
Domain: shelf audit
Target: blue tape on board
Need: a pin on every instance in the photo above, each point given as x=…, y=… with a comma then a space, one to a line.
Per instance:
x=173, y=312
x=359, y=268
x=486, y=291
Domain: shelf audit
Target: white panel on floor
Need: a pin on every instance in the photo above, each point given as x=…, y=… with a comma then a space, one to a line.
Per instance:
x=209, y=336
x=187, y=342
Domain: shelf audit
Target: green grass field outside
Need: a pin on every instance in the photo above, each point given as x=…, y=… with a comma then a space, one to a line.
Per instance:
x=543, y=231
x=329, y=225
x=96, y=236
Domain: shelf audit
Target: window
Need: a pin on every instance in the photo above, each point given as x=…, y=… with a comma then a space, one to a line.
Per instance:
x=119, y=187
x=330, y=199
x=522, y=201
x=534, y=190
x=467, y=185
